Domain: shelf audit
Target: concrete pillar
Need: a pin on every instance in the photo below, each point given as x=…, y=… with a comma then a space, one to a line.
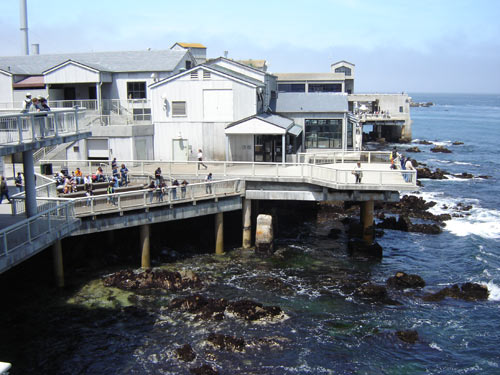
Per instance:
x=145, y=242
x=247, y=223
x=29, y=183
x=219, y=233
x=367, y=220
x=58, y=263
x=264, y=236
x=283, y=149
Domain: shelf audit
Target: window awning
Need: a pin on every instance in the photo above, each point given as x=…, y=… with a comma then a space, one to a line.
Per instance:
x=30, y=82
x=295, y=130
x=260, y=124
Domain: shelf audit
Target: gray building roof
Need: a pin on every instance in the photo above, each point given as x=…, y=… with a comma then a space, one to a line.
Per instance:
x=271, y=118
x=120, y=61
x=234, y=74
x=292, y=102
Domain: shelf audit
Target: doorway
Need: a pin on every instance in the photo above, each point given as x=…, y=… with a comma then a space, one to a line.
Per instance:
x=180, y=149
x=268, y=148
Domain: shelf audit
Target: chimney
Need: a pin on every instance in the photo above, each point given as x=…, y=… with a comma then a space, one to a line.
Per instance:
x=23, y=11
x=35, y=48
x=226, y=53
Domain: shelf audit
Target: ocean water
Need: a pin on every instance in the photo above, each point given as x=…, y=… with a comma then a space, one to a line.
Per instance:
x=91, y=329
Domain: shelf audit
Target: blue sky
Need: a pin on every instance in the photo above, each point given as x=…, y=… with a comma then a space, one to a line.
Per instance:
x=411, y=46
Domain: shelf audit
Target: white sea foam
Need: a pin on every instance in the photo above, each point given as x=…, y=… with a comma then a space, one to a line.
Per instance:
x=433, y=345
x=482, y=222
x=494, y=291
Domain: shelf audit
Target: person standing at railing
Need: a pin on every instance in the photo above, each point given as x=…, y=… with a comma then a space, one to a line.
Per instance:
x=184, y=185
x=174, y=189
x=208, y=186
x=19, y=182
x=123, y=173
x=358, y=172
x=43, y=105
x=408, y=167
x=114, y=164
x=27, y=103
x=200, y=159
x=152, y=188
x=4, y=190
x=89, y=195
x=158, y=176
x=111, y=190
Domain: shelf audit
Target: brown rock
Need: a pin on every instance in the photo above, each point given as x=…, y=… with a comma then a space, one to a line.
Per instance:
x=467, y=292
x=403, y=280
x=225, y=342
x=203, y=370
x=440, y=149
x=409, y=336
x=185, y=353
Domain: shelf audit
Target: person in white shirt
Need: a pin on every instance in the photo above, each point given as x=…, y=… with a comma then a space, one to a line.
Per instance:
x=358, y=172
x=200, y=159
x=408, y=167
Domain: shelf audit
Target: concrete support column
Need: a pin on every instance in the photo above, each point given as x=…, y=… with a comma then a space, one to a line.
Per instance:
x=247, y=223
x=367, y=220
x=145, y=242
x=58, y=263
x=219, y=233
x=283, y=149
x=29, y=183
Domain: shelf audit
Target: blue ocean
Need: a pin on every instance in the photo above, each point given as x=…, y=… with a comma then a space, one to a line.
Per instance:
x=326, y=329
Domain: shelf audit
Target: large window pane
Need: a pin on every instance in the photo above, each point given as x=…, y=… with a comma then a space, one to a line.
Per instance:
x=325, y=87
x=324, y=133
x=292, y=87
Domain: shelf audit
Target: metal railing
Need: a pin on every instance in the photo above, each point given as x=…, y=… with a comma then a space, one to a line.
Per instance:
x=14, y=237
x=377, y=172
x=104, y=203
x=17, y=128
x=333, y=157
x=45, y=188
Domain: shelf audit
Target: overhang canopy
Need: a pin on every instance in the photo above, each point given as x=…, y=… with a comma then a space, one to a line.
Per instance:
x=30, y=82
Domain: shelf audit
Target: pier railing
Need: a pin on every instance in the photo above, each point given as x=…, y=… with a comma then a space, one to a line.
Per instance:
x=338, y=175
x=104, y=203
x=45, y=187
x=16, y=238
x=17, y=128
x=333, y=157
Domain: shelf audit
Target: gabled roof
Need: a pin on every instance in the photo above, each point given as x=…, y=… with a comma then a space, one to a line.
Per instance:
x=258, y=64
x=224, y=72
x=342, y=61
x=71, y=62
x=189, y=45
x=7, y=73
x=264, y=123
x=119, y=61
x=237, y=75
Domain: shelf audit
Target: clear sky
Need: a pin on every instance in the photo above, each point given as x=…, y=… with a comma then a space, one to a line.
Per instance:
x=411, y=46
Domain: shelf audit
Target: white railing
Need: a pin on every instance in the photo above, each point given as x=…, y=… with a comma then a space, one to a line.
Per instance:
x=45, y=188
x=17, y=128
x=23, y=233
x=376, y=174
x=172, y=195
x=89, y=104
x=332, y=157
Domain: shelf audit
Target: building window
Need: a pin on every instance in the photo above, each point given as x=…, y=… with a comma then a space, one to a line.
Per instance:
x=292, y=87
x=325, y=87
x=194, y=75
x=136, y=90
x=324, y=133
x=273, y=94
x=178, y=108
x=206, y=74
x=188, y=64
x=401, y=108
x=343, y=69
x=142, y=114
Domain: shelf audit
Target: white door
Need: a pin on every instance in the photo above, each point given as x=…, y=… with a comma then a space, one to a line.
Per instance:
x=180, y=149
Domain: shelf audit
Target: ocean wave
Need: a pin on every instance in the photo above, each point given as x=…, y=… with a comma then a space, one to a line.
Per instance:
x=494, y=291
x=433, y=345
x=482, y=222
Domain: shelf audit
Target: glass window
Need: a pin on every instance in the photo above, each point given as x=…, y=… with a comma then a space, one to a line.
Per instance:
x=325, y=87
x=188, y=64
x=324, y=133
x=178, y=108
x=292, y=87
x=136, y=90
x=343, y=69
x=401, y=109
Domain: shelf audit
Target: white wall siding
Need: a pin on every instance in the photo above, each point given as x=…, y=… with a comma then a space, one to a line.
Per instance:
x=118, y=89
x=239, y=68
x=121, y=148
x=6, y=95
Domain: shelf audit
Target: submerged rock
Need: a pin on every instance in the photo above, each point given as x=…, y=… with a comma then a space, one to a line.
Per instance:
x=203, y=370
x=225, y=342
x=185, y=353
x=464, y=175
x=467, y=292
x=403, y=280
x=359, y=248
x=374, y=293
x=149, y=279
x=425, y=172
x=205, y=308
x=409, y=336
x=457, y=143
x=424, y=142
x=413, y=149
x=440, y=149
x=251, y=311
x=404, y=224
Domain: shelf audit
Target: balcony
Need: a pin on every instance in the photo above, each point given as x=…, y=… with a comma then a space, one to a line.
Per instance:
x=29, y=131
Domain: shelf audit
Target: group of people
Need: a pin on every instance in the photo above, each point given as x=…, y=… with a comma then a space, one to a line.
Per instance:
x=37, y=104
x=400, y=161
x=69, y=182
